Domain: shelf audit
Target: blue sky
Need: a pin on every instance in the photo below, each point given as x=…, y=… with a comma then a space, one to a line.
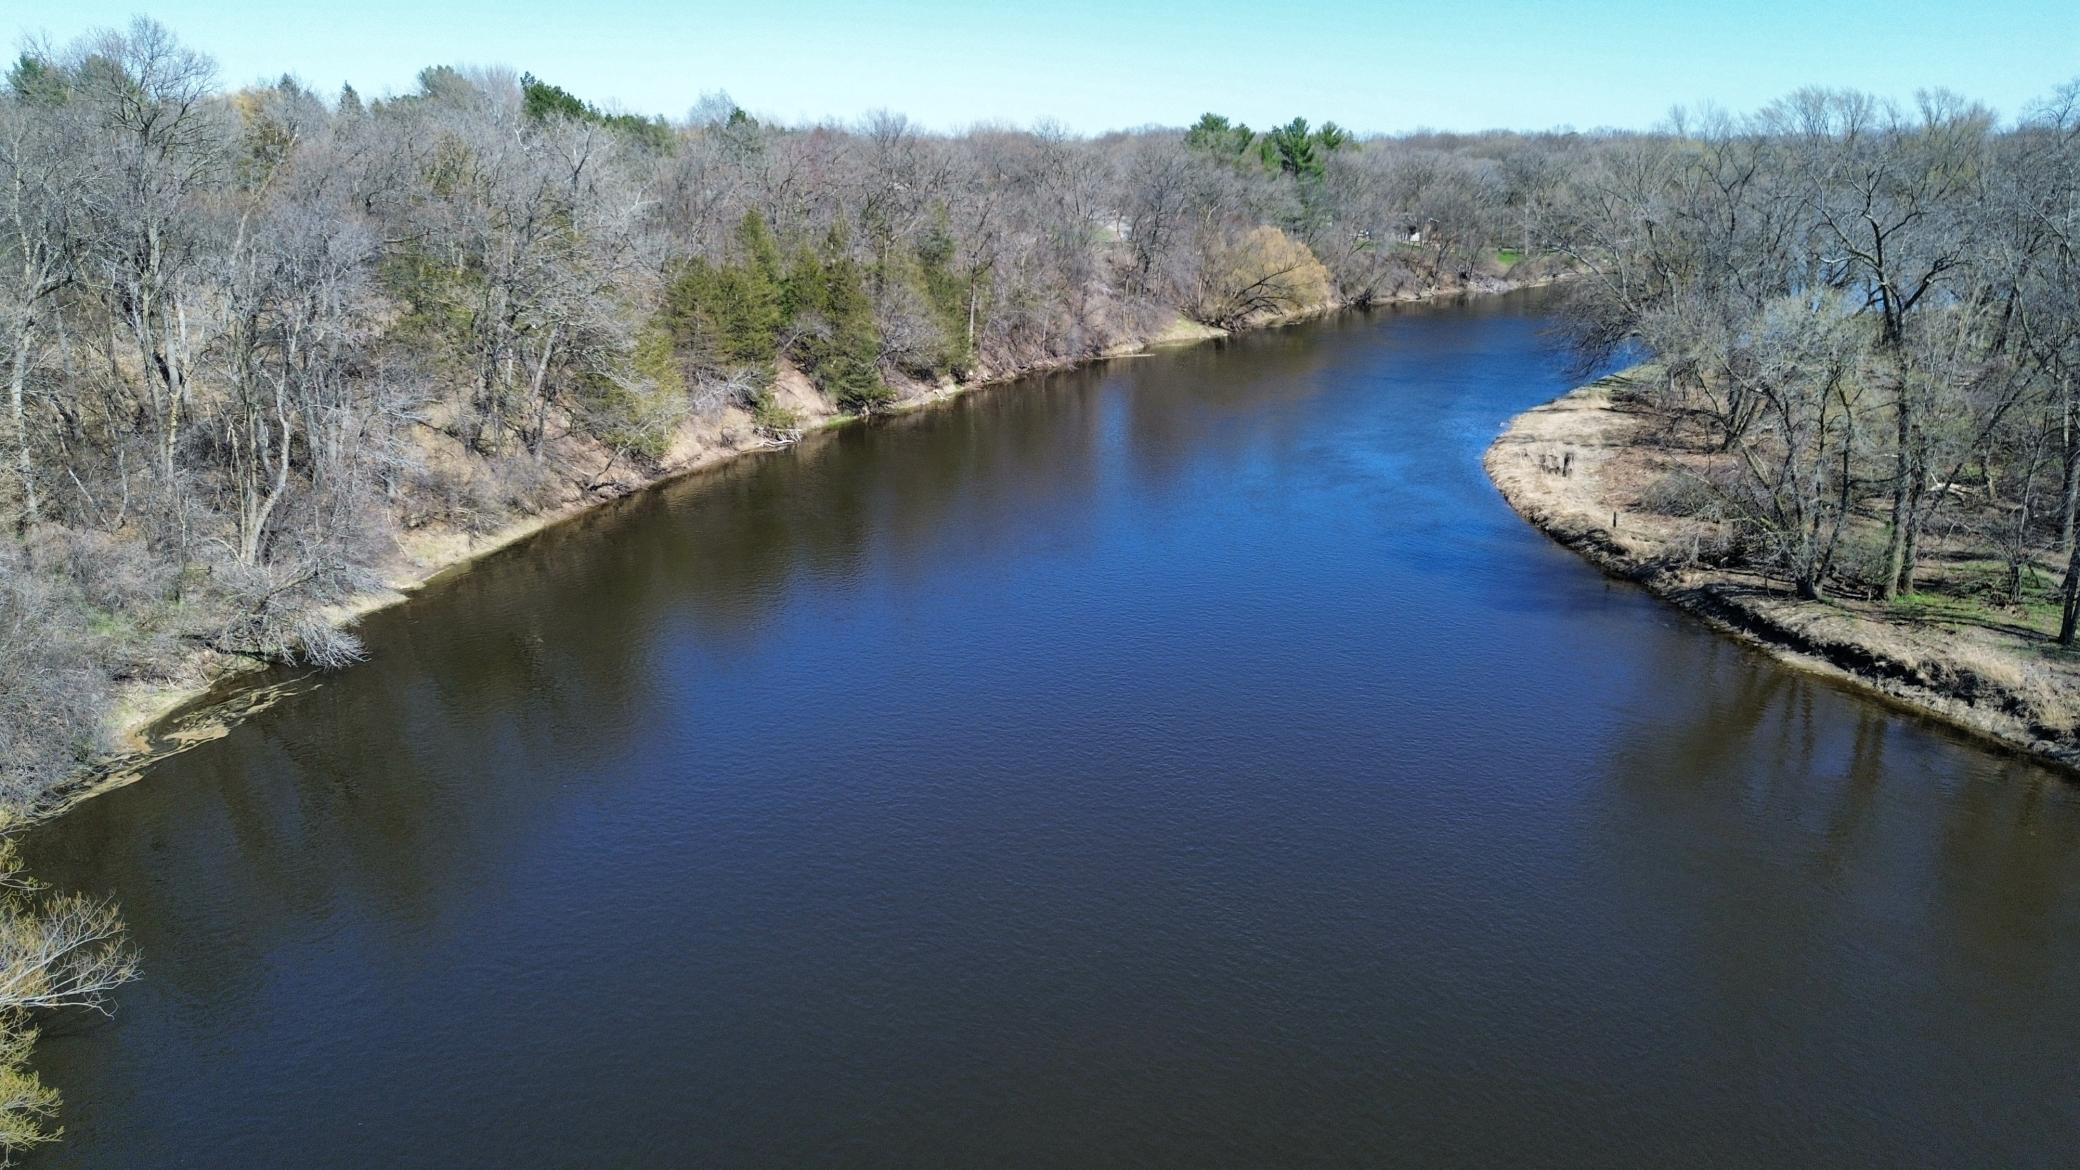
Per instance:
x=1455, y=64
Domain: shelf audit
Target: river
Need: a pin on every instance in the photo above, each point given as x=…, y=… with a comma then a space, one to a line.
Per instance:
x=1188, y=761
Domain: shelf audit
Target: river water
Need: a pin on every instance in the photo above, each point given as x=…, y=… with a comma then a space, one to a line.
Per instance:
x=1186, y=762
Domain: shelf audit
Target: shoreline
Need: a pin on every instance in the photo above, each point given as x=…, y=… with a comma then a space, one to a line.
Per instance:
x=149, y=722
x=1989, y=696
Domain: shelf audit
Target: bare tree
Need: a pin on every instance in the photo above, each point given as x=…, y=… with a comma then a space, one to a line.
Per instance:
x=56, y=952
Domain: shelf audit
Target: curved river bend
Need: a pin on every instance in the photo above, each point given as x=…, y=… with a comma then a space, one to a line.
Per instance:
x=1189, y=762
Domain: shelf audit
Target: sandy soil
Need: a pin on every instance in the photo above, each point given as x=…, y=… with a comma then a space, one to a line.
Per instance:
x=1578, y=468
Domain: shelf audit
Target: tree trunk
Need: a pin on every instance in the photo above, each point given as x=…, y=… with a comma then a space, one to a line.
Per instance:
x=1910, y=547
x=16, y=382
x=2069, y=622
x=2069, y=498
x=1902, y=501
x=275, y=490
x=974, y=296
x=176, y=390
x=538, y=390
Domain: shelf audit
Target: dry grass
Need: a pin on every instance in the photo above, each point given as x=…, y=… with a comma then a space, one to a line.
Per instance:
x=1944, y=651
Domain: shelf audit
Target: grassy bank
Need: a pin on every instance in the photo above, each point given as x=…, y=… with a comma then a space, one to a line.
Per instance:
x=1590, y=468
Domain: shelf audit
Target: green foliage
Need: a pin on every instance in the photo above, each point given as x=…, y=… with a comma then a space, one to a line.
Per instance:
x=543, y=101
x=948, y=293
x=38, y=81
x=638, y=413
x=689, y=309
x=839, y=344
x=802, y=292
x=652, y=132
x=653, y=358
x=443, y=83
x=759, y=313
x=1215, y=135
x=745, y=310
x=1293, y=150
x=757, y=247
x=440, y=299
x=769, y=416
x=732, y=314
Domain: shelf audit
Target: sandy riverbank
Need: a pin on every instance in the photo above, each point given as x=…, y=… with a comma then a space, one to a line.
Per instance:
x=1580, y=469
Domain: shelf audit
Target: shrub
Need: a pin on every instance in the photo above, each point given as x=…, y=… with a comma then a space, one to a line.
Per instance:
x=1680, y=493
x=1264, y=273
x=1860, y=559
x=772, y=418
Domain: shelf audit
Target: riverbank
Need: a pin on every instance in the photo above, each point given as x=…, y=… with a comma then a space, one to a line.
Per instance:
x=1583, y=469
x=929, y=717
x=211, y=691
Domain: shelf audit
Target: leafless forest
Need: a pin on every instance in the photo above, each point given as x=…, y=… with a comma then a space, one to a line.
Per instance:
x=1865, y=317
x=252, y=335
x=257, y=338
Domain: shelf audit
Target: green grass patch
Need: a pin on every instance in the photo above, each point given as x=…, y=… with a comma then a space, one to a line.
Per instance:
x=104, y=624
x=2034, y=611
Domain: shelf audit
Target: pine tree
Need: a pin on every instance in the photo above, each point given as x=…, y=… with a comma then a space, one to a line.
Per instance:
x=801, y=293
x=755, y=310
x=1292, y=149
x=947, y=293
x=839, y=343
x=732, y=314
x=850, y=370
x=1215, y=135
x=688, y=301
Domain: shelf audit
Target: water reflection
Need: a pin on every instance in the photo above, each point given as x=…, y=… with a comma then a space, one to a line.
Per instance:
x=1185, y=761
x=1850, y=883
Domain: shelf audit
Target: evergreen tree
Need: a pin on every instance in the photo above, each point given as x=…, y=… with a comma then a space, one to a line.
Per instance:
x=756, y=312
x=947, y=293
x=839, y=343
x=688, y=300
x=732, y=315
x=443, y=83
x=1293, y=150
x=802, y=293
x=850, y=370
x=1215, y=135
x=543, y=101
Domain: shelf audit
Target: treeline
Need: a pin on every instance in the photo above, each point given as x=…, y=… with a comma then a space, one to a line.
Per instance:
x=1870, y=313
x=253, y=336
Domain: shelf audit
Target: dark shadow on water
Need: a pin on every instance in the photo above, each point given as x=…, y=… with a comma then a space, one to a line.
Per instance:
x=1187, y=761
